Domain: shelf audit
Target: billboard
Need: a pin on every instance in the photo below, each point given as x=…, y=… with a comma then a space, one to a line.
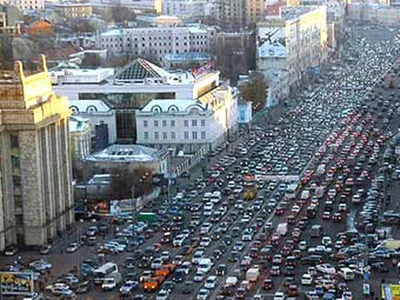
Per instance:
x=391, y=291
x=16, y=283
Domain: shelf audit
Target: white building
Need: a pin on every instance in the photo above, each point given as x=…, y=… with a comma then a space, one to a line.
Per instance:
x=189, y=8
x=152, y=5
x=28, y=4
x=289, y=46
x=156, y=42
x=72, y=74
x=80, y=130
x=190, y=124
x=140, y=82
x=97, y=111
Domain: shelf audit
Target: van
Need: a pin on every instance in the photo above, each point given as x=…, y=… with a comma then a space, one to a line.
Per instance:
x=348, y=274
x=112, y=282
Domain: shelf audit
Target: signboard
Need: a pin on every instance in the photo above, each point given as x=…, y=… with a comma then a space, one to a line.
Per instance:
x=391, y=291
x=16, y=283
x=118, y=207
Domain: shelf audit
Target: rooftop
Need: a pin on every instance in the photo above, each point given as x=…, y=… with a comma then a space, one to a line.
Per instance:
x=188, y=56
x=293, y=12
x=88, y=106
x=165, y=105
x=140, y=69
x=125, y=153
x=274, y=49
x=112, y=32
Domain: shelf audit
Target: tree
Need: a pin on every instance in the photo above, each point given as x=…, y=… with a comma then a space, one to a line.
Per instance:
x=6, y=53
x=91, y=60
x=118, y=14
x=123, y=179
x=255, y=90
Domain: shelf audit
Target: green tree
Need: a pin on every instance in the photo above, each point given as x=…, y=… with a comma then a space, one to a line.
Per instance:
x=255, y=90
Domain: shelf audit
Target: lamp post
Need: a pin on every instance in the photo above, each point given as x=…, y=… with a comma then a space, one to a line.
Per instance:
x=134, y=204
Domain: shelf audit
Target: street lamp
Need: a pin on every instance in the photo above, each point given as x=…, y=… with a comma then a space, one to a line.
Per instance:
x=134, y=206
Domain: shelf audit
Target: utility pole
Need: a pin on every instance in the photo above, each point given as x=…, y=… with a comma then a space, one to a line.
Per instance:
x=134, y=206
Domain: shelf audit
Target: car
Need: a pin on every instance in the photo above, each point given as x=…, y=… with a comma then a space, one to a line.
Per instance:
x=211, y=282
x=128, y=287
x=306, y=279
x=279, y=296
x=162, y=295
x=221, y=270
x=203, y=294
x=267, y=284
x=11, y=250
x=326, y=269
x=198, y=277
x=46, y=249
x=72, y=247
x=275, y=271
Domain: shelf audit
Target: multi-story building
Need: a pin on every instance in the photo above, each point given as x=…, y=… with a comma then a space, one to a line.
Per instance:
x=28, y=4
x=255, y=11
x=188, y=125
x=36, y=188
x=73, y=10
x=9, y=17
x=137, y=84
x=156, y=42
x=232, y=13
x=189, y=8
x=290, y=46
x=144, y=5
x=81, y=132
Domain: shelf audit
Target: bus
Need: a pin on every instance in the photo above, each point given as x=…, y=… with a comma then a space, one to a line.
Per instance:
x=291, y=191
x=104, y=271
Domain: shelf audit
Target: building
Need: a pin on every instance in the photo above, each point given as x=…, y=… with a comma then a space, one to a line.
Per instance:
x=186, y=60
x=189, y=8
x=70, y=73
x=158, y=21
x=81, y=131
x=27, y=4
x=98, y=112
x=117, y=157
x=139, y=82
x=140, y=5
x=235, y=52
x=272, y=7
x=36, y=188
x=156, y=42
x=374, y=13
x=41, y=28
x=232, y=14
x=73, y=10
x=245, y=116
x=255, y=11
x=101, y=137
x=188, y=125
x=290, y=46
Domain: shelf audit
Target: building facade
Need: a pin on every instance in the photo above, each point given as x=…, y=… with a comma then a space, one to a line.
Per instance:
x=28, y=4
x=156, y=42
x=73, y=10
x=98, y=112
x=289, y=46
x=36, y=188
x=189, y=8
x=255, y=11
x=143, y=5
x=232, y=14
x=81, y=131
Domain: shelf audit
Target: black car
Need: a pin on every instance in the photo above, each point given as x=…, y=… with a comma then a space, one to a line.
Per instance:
x=221, y=270
x=312, y=260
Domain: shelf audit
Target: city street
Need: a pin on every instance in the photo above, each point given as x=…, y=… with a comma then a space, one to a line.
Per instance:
x=319, y=162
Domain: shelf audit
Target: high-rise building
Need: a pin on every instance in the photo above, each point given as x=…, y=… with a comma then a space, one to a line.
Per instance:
x=28, y=4
x=255, y=11
x=232, y=13
x=35, y=161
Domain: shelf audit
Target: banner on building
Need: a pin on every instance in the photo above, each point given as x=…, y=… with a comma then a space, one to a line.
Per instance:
x=16, y=283
x=118, y=207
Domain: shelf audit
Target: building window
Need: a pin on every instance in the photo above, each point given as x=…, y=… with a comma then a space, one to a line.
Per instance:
x=14, y=141
x=145, y=123
x=203, y=122
x=19, y=220
x=17, y=181
x=18, y=201
x=203, y=135
x=194, y=135
x=173, y=136
x=156, y=136
x=194, y=122
x=164, y=123
x=186, y=123
x=146, y=135
x=172, y=123
x=155, y=123
x=186, y=135
x=164, y=134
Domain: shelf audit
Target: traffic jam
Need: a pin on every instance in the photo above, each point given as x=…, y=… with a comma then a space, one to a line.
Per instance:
x=293, y=210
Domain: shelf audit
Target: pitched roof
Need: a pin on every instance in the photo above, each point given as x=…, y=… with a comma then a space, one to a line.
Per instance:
x=140, y=69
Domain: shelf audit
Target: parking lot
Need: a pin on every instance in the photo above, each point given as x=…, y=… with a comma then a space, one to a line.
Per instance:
x=296, y=209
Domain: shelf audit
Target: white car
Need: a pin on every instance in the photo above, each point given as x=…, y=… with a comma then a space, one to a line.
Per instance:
x=303, y=245
x=211, y=282
x=326, y=241
x=198, y=277
x=197, y=256
x=342, y=207
x=306, y=279
x=203, y=294
x=162, y=295
x=326, y=269
x=279, y=296
x=178, y=240
x=72, y=247
x=205, y=241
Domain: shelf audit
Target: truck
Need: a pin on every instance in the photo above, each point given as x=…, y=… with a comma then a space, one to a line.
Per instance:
x=112, y=281
x=282, y=229
x=148, y=217
x=160, y=275
x=252, y=274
